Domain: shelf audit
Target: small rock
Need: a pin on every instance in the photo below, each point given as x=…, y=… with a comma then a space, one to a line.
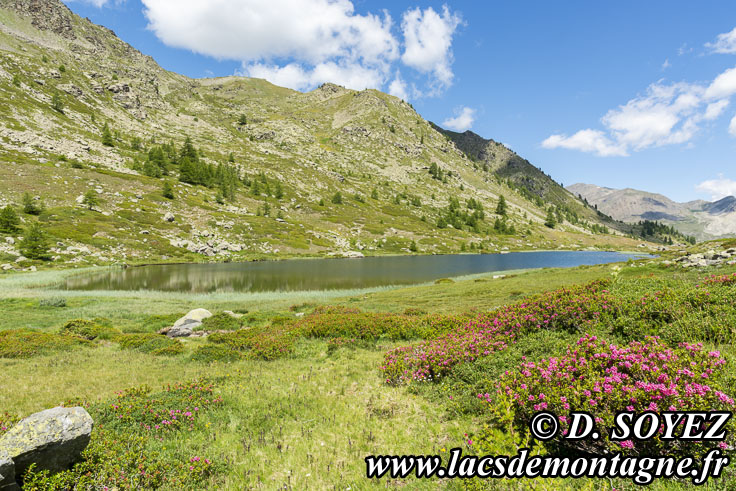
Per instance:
x=6, y=267
x=10, y=240
x=169, y=217
x=53, y=439
x=21, y=259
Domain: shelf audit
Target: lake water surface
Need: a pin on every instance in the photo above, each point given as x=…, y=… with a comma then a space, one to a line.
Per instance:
x=328, y=274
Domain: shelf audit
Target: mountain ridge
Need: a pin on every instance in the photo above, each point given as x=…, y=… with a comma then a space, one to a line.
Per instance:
x=703, y=219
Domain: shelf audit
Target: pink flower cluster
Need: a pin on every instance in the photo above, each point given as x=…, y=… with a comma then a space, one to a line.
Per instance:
x=603, y=378
x=488, y=333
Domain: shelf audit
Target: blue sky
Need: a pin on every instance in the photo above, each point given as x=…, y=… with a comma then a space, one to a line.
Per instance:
x=619, y=94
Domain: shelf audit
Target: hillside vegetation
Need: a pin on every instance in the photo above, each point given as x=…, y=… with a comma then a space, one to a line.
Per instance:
x=125, y=161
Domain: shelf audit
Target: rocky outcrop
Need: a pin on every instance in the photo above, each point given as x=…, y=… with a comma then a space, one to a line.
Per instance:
x=710, y=258
x=184, y=327
x=53, y=439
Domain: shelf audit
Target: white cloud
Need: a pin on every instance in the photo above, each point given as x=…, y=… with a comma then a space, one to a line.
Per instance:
x=296, y=76
x=428, y=41
x=463, y=120
x=718, y=188
x=249, y=30
x=303, y=43
x=398, y=88
x=725, y=43
x=666, y=114
x=732, y=126
x=666, y=64
x=715, y=109
x=724, y=85
x=593, y=141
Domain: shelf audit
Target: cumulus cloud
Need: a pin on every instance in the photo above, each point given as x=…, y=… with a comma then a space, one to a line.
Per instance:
x=463, y=120
x=593, y=141
x=714, y=109
x=718, y=188
x=666, y=114
x=725, y=43
x=303, y=43
x=297, y=77
x=398, y=87
x=428, y=41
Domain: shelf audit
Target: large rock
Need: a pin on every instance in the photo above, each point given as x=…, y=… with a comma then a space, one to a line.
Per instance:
x=52, y=439
x=7, y=473
x=185, y=326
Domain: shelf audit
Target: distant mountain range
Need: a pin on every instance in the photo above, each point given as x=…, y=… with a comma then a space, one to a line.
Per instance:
x=702, y=219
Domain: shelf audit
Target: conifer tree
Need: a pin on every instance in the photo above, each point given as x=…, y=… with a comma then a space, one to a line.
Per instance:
x=9, y=220
x=501, y=207
x=30, y=207
x=35, y=243
x=107, y=136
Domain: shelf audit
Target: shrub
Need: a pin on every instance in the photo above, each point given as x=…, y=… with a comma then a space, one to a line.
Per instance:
x=122, y=454
x=31, y=206
x=154, y=344
x=602, y=378
x=24, y=343
x=215, y=352
x=89, y=330
x=175, y=408
x=568, y=309
x=57, y=302
x=262, y=343
x=221, y=322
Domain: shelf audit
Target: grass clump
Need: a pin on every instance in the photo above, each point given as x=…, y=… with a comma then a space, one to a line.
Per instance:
x=154, y=344
x=56, y=302
x=215, y=352
x=261, y=343
x=89, y=330
x=25, y=343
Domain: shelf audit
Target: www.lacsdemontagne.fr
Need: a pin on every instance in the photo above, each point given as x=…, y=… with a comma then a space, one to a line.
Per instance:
x=642, y=470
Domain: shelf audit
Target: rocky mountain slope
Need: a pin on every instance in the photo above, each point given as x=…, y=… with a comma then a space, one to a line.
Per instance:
x=703, y=219
x=254, y=170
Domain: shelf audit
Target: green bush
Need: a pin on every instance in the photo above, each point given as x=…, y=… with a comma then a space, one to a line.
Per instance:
x=25, y=343
x=154, y=344
x=261, y=343
x=221, y=322
x=215, y=352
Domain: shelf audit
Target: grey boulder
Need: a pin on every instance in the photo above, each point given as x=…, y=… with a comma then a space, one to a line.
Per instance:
x=53, y=439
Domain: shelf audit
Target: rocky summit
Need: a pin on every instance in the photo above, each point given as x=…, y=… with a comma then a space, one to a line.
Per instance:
x=119, y=160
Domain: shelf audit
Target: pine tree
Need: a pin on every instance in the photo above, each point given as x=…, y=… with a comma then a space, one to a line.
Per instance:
x=501, y=207
x=90, y=199
x=167, y=191
x=35, y=243
x=337, y=198
x=107, y=136
x=30, y=207
x=413, y=246
x=9, y=220
x=550, y=221
x=243, y=120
